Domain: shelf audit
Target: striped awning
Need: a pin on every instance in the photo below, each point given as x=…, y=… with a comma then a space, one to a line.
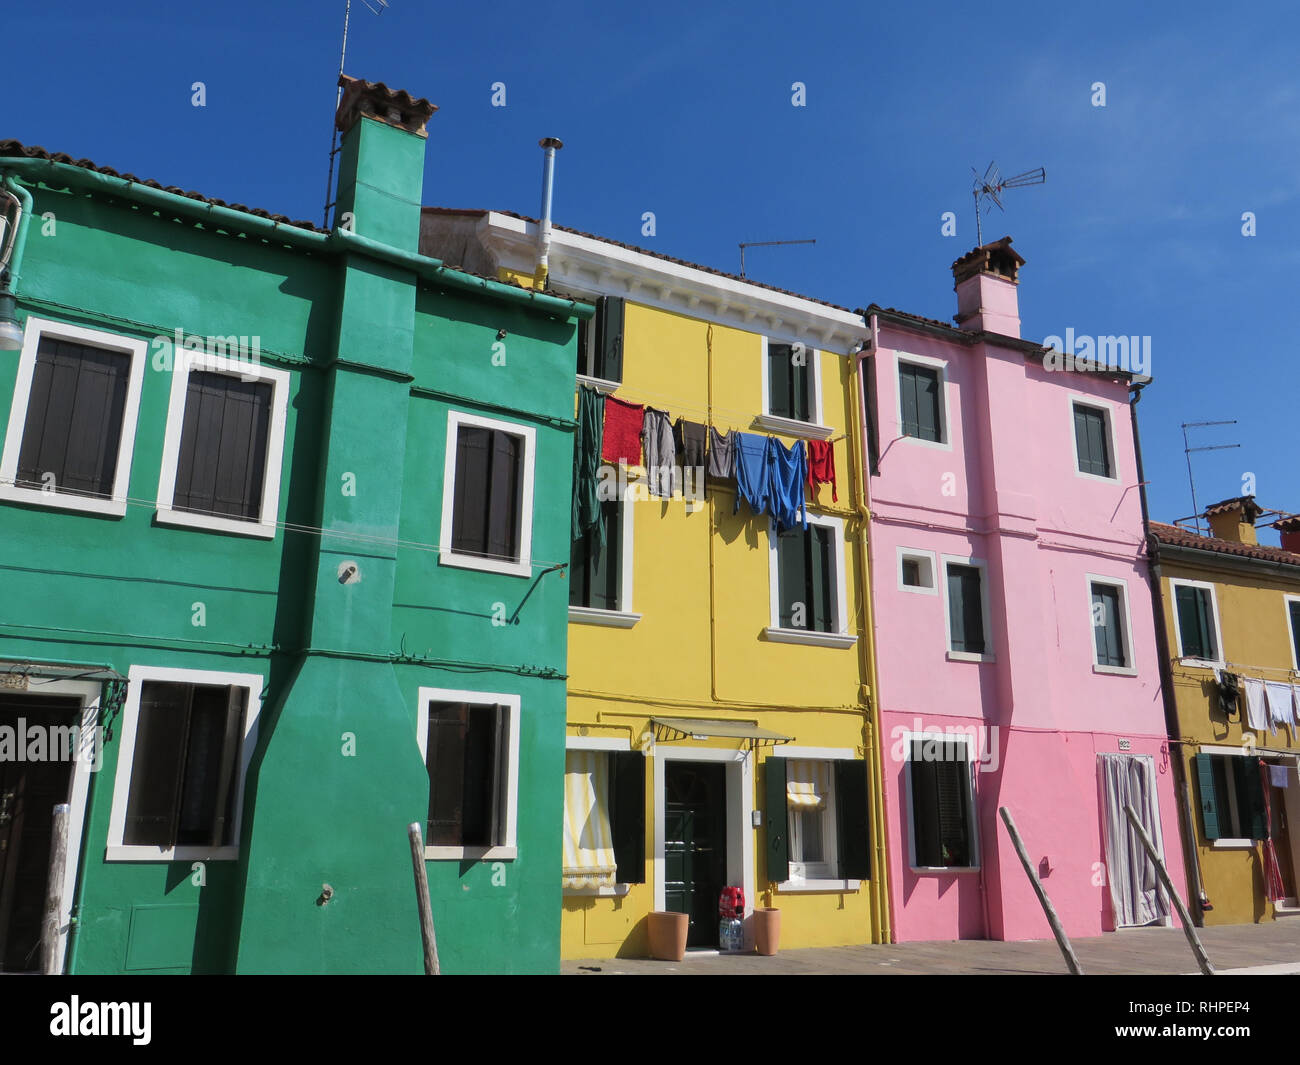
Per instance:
x=588, y=841
x=807, y=784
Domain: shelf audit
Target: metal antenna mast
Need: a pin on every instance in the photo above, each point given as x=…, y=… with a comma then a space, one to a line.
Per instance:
x=989, y=188
x=1188, y=449
x=765, y=244
x=334, y=133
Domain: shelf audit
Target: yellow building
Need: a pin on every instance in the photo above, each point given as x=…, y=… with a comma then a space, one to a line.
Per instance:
x=718, y=725
x=1231, y=609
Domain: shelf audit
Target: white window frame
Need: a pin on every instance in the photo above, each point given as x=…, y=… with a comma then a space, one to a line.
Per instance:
x=926, y=559
x=1287, y=600
x=982, y=565
x=137, y=676
x=601, y=384
x=973, y=819
x=901, y=358
x=624, y=617
x=186, y=362
x=1230, y=779
x=449, y=557
x=1108, y=409
x=33, y=330
x=813, y=429
x=1201, y=663
x=1129, y=670
x=825, y=882
x=841, y=637
x=607, y=746
x=508, y=850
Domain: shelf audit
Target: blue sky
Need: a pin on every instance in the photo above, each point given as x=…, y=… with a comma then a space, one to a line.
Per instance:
x=684, y=109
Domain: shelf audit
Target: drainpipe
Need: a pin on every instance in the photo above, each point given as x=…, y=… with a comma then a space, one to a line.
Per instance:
x=11, y=334
x=1186, y=822
x=867, y=649
x=549, y=145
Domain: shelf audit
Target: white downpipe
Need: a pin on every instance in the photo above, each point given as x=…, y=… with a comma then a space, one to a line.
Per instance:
x=549, y=146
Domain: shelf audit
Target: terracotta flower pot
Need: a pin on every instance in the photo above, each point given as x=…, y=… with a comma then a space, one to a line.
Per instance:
x=667, y=935
x=767, y=929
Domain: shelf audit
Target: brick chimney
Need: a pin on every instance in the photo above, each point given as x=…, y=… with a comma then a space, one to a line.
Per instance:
x=381, y=161
x=1290, y=530
x=985, y=283
x=1234, y=519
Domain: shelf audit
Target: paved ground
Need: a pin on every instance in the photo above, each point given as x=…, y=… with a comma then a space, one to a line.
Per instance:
x=1267, y=948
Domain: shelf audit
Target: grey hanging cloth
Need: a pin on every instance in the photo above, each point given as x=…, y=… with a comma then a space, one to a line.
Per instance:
x=691, y=438
x=1229, y=695
x=660, y=452
x=722, y=459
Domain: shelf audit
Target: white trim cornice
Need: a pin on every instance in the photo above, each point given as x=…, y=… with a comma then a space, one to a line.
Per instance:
x=585, y=262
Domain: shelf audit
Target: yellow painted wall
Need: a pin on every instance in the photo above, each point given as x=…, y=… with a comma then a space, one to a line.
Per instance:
x=680, y=661
x=1256, y=636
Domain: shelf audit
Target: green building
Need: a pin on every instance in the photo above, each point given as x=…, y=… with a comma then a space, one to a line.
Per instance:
x=279, y=560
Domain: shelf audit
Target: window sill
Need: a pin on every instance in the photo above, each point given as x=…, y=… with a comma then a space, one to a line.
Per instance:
x=1115, y=671
x=1199, y=663
x=124, y=853
x=1229, y=844
x=938, y=445
x=614, y=619
x=63, y=501
x=811, y=639
x=599, y=384
x=793, y=427
x=970, y=656
x=943, y=870
x=614, y=891
x=209, y=523
x=1096, y=477
x=485, y=565
x=793, y=887
x=470, y=854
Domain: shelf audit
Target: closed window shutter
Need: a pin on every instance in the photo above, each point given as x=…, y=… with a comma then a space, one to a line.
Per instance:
x=158, y=762
x=482, y=762
x=504, y=490
x=609, y=338
x=801, y=387
x=627, y=815
x=221, y=466
x=1208, y=798
x=1193, y=605
x=792, y=579
x=780, y=381
x=1109, y=635
x=1090, y=441
x=207, y=789
x=580, y=553
x=907, y=388
x=925, y=807
x=1250, y=797
x=927, y=404
x=871, y=404
x=966, y=609
x=469, y=508
x=953, y=777
x=851, y=820
x=821, y=573
x=448, y=732
x=73, y=429
x=776, y=820
x=1295, y=629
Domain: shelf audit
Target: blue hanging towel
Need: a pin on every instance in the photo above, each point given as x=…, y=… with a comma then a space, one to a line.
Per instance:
x=753, y=480
x=789, y=476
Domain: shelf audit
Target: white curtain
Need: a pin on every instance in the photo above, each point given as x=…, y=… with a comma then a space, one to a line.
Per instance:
x=1135, y=892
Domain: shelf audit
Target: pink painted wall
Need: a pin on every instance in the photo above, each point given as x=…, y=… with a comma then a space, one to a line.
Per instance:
x=1005, y=490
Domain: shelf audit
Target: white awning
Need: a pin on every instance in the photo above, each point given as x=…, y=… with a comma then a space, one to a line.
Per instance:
x=807, y=784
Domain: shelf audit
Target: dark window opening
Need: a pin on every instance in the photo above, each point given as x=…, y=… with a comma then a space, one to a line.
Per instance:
x=466, y=761
x=221, y=469
x=486, y=511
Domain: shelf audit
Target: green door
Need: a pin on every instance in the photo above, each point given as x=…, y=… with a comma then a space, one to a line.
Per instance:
x=29, y=791
x=695, y=845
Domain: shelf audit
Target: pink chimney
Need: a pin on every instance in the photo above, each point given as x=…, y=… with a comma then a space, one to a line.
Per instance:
x=985, y=282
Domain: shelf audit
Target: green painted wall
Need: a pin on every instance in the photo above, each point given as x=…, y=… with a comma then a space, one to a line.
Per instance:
x=377, y=360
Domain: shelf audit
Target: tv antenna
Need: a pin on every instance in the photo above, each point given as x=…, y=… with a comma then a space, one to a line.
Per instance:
x=765, y=244
x=1188, y=449
x=334, y=134
x=990, y=187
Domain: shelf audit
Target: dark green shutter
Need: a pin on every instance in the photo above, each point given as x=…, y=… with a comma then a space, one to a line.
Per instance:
x=872, y=416
x=1109, y=634
x=927, y=404
x=821, y=571
x=780, y=382
x=627, y=814
x=800, y=386
x=1295, y=628
x=1205, y=790
x=1250, y=797
x=792, y=578
x=851, y=830
x=1090, y=441
x=908, y=400
x=1193, y=606
x=966, y=609
x=925, y=807
x=776, y=820
x=609, y=339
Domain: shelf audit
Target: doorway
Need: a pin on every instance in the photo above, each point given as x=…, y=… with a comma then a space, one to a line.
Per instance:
x=1137, y=898
x=33, y=780
x=1277, y=780
x=695, y=845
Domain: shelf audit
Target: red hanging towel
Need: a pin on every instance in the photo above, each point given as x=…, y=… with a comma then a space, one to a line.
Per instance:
x=821, y=467
x=1273, y=885
x=622, y=432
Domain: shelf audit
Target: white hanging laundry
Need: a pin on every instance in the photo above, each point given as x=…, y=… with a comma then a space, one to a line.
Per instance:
x=1281, y=701
x=1256, y=705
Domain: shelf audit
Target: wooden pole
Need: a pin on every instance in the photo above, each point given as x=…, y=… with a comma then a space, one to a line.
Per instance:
x=1058, y=930
x=422, y=899
x=50, y=962
x=1189, y=930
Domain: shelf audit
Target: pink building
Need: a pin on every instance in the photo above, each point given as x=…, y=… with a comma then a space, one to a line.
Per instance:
x=1014, y=632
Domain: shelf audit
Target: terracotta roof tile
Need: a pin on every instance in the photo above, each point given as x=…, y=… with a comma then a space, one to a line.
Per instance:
x=13, y=149
x=1179, y=537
